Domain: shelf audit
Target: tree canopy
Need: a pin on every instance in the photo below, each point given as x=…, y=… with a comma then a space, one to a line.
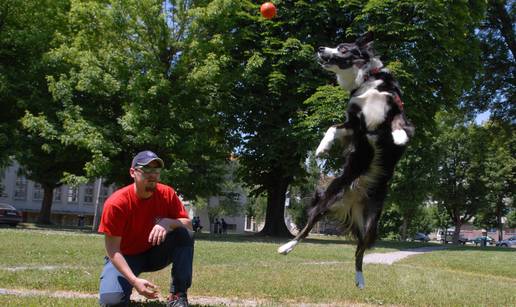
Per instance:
x=197, y=81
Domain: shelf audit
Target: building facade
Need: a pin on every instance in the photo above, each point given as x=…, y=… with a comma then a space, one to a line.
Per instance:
x=76, y=205
x=71, y=205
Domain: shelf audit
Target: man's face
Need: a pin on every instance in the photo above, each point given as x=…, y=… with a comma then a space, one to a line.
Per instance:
x=146, y=177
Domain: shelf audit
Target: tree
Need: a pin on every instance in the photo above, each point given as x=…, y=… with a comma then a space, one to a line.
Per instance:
x=461, y=148
x=26, y=34
x=495, y=83
x=265, y=71
x=121, y=87
x=511, y=219
x=409, y=188
x=498, y=178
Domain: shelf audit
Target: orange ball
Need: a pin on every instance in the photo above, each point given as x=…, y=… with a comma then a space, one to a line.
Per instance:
x=268, y=10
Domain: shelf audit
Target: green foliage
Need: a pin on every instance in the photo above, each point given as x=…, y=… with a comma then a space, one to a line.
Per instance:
x=390, y=224
x=494, y=87
x=94, y=82
x=499, y=173
x=256, y=207
x=440, y=218
x=26, y=35
x=123, y=88
x=511, y=219
x=273, y=98
x=461, y=149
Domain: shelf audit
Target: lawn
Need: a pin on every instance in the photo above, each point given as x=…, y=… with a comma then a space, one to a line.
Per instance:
x=318, y=271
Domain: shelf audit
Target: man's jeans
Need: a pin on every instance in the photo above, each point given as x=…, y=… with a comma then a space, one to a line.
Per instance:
x=177, y=248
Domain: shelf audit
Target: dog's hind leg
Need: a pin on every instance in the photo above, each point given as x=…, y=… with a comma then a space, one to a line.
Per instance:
x=321, y=203
x=366, y=240
x=315, y=214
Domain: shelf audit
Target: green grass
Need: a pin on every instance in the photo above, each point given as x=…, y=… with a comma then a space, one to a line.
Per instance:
x=320, y=270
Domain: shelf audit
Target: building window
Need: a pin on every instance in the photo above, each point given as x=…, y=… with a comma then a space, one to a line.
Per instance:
x=73, y=194
x=88, y=193
x=37, y=194
x=57, y=194
x=104, y=193
x=20, y=190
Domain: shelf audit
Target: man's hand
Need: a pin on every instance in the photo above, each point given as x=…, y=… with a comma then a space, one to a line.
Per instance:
x=146, y=288
x=158, y=232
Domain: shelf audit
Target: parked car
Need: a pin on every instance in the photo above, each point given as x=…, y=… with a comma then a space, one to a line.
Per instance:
x=9, y=215
x=441, y=235
x=478, y=240
x=419, y=236
x=507, y=242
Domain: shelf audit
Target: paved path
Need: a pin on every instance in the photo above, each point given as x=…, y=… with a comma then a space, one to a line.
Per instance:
x=390, y=258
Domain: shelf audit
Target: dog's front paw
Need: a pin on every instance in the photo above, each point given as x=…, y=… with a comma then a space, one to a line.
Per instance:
x=326, y=142
x=287, y=247
x=321, y=149
x=400, y=137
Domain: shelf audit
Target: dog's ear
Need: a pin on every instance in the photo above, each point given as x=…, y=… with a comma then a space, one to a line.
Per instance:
x=365, y=43
x=364, y=39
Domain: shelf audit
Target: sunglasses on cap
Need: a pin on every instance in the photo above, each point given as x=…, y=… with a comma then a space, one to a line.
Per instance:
x=148, y=170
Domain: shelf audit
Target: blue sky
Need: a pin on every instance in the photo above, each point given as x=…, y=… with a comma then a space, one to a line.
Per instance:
x=482, y=117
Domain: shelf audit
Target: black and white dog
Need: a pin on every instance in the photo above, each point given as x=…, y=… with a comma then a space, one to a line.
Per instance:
x=376, y=133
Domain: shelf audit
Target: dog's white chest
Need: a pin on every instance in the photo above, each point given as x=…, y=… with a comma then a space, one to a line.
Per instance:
x=373, y=104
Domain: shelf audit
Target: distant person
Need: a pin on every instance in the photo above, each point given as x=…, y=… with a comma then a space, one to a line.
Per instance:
x=224, y=226
x=216, y=226
x=80, y=222
x=146, y=227
x=196, y=222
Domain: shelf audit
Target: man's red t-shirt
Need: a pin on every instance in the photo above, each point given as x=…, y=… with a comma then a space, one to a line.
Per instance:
x=127, y=216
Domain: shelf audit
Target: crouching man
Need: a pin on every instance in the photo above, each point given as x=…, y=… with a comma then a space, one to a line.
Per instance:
x=146, y=228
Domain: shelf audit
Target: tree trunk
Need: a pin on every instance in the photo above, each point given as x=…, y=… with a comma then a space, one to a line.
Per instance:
x=46, y=205
x=404, y=227
x=456, y=233
x=505, y=25
x=499, y=220
x=275, y=216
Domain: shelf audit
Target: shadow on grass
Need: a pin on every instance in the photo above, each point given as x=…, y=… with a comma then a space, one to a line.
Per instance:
x=161, y=304
x=53, y=227
x=254, y=238
x=399, y=245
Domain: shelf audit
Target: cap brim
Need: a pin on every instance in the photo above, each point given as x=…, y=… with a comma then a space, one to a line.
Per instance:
x=154, y=159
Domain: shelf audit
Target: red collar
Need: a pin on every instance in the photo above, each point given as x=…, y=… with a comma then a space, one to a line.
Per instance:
x=396, y=96
x=398, y=101
x=371, y=73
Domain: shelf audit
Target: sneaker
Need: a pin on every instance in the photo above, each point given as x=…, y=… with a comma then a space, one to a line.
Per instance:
x=177, y=300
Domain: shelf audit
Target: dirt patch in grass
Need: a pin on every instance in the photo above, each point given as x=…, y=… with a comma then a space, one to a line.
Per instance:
x=194, y=300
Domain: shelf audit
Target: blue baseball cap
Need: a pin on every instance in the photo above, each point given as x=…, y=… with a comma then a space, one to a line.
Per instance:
x=145, y=157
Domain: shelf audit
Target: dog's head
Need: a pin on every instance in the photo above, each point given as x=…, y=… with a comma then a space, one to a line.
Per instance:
x=347, y=60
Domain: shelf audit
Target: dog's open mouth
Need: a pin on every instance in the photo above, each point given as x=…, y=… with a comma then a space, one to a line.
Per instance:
x=323, y=59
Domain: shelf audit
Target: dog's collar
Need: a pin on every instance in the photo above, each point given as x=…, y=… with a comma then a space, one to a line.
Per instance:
x=398, y=101
x=372, y=72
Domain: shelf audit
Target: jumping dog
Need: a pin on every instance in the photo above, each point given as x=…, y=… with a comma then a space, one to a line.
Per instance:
x=375, y=133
